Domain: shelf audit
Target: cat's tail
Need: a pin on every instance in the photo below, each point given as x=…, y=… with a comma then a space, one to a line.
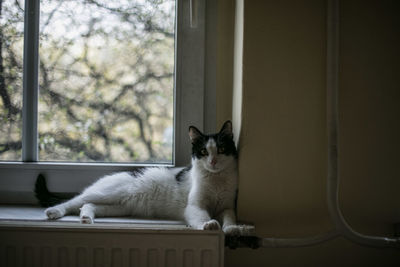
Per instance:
x=42, y=193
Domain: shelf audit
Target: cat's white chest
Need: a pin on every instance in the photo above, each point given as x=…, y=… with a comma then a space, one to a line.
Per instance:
x=216, y=193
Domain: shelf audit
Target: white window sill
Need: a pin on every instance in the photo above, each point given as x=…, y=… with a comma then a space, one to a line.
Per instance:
x=34, y=216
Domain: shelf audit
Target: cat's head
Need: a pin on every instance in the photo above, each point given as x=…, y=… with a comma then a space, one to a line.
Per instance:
x=213, y=151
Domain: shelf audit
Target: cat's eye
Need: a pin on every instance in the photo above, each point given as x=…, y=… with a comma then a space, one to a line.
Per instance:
x=221, y=150
x=204, y=152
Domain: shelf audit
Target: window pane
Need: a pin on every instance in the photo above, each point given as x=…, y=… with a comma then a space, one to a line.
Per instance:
x=11, y=50
x=106, y=80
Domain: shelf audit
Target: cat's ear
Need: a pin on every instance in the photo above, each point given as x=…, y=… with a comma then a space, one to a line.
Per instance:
x=194, y=134
x=226, y=130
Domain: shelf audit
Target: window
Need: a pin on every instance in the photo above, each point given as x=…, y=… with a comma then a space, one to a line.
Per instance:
x=110, y=86
x=106, y=72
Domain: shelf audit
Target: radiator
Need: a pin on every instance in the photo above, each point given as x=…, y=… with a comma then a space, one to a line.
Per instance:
x=55, y=244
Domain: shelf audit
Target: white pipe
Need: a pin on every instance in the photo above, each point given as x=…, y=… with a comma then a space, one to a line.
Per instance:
x=332, y=124
x=297, y=242
x=342, y=228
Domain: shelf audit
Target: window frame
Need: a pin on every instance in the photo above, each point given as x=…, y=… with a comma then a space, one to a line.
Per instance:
x=194, y=97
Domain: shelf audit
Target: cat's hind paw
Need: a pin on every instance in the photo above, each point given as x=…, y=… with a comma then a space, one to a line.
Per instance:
x=211, y=225
x=87, y=213
x=54, y=213
x=86, y=219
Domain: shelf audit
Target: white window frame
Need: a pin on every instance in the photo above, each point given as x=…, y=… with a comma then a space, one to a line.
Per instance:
x=194, y=93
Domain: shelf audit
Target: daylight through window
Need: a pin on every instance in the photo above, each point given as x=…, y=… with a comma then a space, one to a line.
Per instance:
x=106, y=80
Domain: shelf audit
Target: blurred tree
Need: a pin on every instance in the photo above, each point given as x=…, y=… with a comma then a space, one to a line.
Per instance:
x=11, y=41
x=105, y=78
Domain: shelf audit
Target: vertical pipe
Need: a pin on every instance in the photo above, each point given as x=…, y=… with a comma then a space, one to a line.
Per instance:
x=30, y=82
x=333, y=125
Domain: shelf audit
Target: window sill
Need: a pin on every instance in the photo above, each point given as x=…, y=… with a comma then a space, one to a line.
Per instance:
x=32, y=216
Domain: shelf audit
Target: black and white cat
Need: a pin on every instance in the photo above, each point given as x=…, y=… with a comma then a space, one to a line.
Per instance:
x=202, y=194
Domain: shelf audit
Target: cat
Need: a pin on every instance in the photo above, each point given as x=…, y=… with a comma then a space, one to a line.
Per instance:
x=202, y=194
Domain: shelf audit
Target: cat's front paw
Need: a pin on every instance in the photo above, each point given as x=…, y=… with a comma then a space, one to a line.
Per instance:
x=239, y=230
x=54, y=213
x=232, y=230
x=211, y=225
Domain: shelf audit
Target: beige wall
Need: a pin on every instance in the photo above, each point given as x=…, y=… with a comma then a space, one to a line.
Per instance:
x=283, y=135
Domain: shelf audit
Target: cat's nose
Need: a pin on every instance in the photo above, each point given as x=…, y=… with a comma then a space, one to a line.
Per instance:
x=213, y=161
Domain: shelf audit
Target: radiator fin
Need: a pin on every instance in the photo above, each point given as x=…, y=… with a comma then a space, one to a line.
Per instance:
x=170, y=258
x=116, y=257
x=81, y=257
x=11, y=256
x=45, y=257
x=188, y=258
x=206, y=258
x=27, y=256
x=134, y=257
x=63, y=257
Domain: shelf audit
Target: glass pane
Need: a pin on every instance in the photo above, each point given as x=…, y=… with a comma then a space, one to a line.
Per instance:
x=106, y=80
x=11, y=51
